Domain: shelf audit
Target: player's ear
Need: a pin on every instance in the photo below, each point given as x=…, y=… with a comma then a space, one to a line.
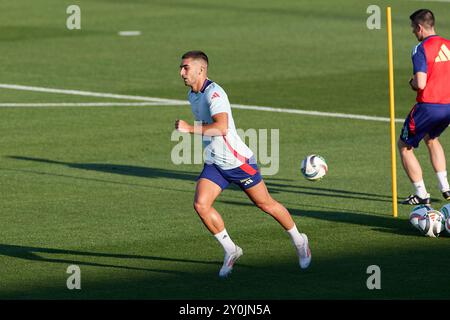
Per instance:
x=420, y=27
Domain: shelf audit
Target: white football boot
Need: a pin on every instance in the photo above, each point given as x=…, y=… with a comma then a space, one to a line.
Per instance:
x=229, y=261
x=304, y=253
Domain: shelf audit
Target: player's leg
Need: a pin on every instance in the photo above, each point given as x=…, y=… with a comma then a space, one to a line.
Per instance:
x=414, y=173
x=437, y=120
x=206, y=193
x=412, y=133
x=436, y=152
x=437, y=157
x=261, y=198
x=410, y=162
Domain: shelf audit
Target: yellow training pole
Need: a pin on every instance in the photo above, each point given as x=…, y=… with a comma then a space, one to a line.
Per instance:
x=392, y=112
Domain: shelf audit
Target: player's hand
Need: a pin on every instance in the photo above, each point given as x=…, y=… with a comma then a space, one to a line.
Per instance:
x=411, y=84
x=182, y=126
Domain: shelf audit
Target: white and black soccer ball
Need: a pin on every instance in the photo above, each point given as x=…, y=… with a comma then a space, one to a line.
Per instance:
x=427, y=220
x=445, y=210
x=314, y=167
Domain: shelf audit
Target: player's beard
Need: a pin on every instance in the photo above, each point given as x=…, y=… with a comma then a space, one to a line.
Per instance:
x=186, y=82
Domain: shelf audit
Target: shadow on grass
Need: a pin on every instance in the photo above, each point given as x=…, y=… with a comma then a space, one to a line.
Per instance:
x=32, y=254
x=340, y=191
x=146, y=172
x=326, y=192
x=378, y=222
x=330, y=192
x=336, y=276
x=96, y=180
x=136, y=171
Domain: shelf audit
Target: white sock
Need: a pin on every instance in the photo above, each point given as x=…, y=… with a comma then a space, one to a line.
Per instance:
x=296, y=238
x=421, y=191
x=443, y=182
x=226, y=242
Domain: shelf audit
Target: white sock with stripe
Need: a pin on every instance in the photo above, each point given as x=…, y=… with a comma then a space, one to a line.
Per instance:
x=443, y=182
x=421, y=191
x=226, y=242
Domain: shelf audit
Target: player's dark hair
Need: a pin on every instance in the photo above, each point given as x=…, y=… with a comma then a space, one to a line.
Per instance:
x=424, y=17
x=196, y=54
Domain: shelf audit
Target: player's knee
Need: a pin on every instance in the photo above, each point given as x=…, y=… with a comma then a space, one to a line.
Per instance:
x=267, y=206
x=403, y=147
x=430, y=142
x=201, y=206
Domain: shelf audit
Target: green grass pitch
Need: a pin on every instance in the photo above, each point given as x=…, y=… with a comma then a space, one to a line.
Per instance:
x=95, y=186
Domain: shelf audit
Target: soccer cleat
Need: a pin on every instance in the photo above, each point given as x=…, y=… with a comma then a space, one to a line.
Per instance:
x=304, y=253
x=229, y=261
x=446, y=195
x=414, y=199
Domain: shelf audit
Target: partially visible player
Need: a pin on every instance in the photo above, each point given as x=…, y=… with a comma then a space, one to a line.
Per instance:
x=228, y=160
x=431, y=115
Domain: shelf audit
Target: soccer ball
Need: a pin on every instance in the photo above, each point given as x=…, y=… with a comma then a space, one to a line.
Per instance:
x=314, y=167
x=445, y=210
x=427, y=220
x=418, y=213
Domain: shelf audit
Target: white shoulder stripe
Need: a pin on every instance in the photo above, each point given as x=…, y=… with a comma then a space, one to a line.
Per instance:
x=415, y=49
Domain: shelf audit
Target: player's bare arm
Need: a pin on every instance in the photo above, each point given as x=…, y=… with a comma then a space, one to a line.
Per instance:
x=419, y=81
x=219, y=127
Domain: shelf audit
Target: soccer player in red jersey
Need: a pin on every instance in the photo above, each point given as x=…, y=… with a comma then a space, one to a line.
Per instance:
x=430, y=116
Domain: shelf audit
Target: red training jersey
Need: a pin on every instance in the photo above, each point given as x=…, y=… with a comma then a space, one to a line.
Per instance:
x=432, y=56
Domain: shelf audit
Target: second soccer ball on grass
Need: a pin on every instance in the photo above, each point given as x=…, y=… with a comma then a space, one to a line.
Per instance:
x=428, y=221
x=445, y=210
